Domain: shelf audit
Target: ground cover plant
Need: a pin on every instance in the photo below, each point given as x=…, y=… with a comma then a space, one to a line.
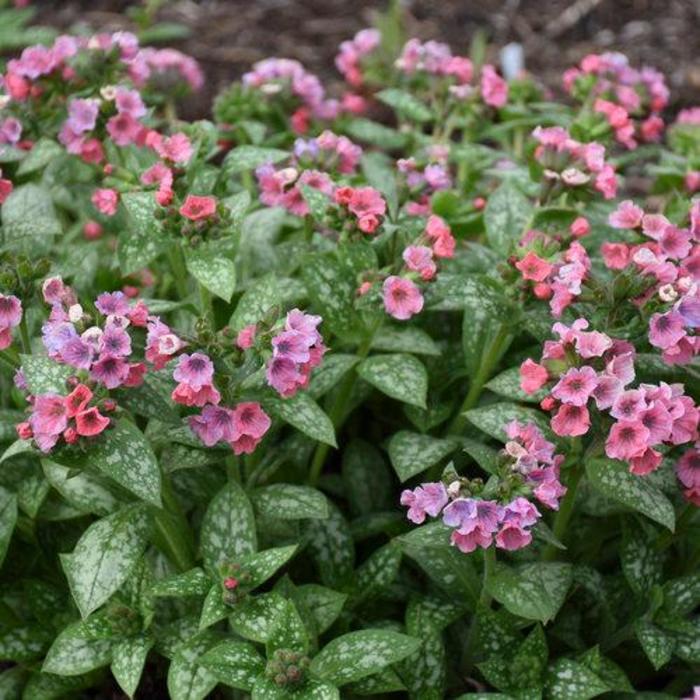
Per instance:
x=390, y=392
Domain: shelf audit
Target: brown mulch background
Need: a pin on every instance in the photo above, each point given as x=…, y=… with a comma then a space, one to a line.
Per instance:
x=228, y=35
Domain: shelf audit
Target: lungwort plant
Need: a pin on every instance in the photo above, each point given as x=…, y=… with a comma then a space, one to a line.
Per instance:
x=389, y=392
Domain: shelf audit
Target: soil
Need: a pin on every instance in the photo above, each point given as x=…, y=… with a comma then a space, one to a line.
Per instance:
x=228, y=35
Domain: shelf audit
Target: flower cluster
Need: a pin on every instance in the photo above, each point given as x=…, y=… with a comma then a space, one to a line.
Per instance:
x=428, y=174
x=352, y=54
x=589, y=369
x=241, y=427
x=529, y=467
x=55, y=417
x=571, y=165
x=10, y=317
x=283, y=187
x=365, y=204
x=194, y=375
x=669, y=258
x=550, y=272
x=329, y=152
x=296, y=350
x=629, y=99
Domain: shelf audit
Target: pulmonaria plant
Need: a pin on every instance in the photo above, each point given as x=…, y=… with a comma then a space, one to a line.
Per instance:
x=231, y=352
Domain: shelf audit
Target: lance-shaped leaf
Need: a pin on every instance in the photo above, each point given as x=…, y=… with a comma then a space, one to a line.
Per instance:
x=79, y=648
x=246, y=157
x=532, y=591
x=236, y=664
x=570, y=679
x=404, y=339
x=492, y=419
x=213, y=608
x=289, y=631
x=213, y=269
x=400, y=376
x=507, y=213
x=29, y=220
x=193, y=582
x=263, y=565
x=8, y=519
x=255, y=618
x=304, y=414
x=228, y=528
x=186, y=679
x=123, y=453
x=128, y=660
x=45, y=376
x=405, y=104
x=331, y=547
x=613, y=479
x=144, y=238
x=507, y=384
x=105, y=556
x=358, y=654
x=413, y=453
x=657, y=644
x=289, y=502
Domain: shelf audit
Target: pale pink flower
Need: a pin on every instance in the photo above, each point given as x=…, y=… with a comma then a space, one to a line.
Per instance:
x=627, y=215
x=494, y=90
x=106, y=201
x=666, y=329
x=426, y=499
x=402, y=298
x=576, y=386
x=419, y=258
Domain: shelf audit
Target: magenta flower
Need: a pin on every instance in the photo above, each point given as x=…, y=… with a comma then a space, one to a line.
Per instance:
x=402, y=298
x=214, y=424
x=292, y=345
x=110, y=371
x=426, y=499
x=77, y=353
x=112, y=304
x=195, y=370
x=576, y=386
x=666, y=329
x=115, y=341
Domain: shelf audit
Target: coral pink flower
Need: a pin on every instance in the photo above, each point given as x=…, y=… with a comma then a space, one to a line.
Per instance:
x=250, y=425
x=532, y=376
x=78, y=400
x=366, y=201
x=190, y=396
x=580, y=227
x=576, y=386
x=571, y=421
x=533, y=267
x=246, y=337
x=626, y=440
x=419, y=258
x=647, y=462
x=402, y=298
x=197, y=208
x=615, y=255
x=90, y=422
x=440, y=234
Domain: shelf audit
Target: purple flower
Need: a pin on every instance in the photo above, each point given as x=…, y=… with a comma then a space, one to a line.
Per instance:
x=214, y=424
x=77, y=353
x=82, y=115
x=115, y=341
x=426, y=499
x=112, y=303
x=195, y=370
x=110, y=371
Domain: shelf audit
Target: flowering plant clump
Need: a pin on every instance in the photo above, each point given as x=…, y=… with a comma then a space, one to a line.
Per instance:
x=390, y=389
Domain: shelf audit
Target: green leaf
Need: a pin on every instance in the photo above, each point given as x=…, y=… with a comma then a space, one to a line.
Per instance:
x=213, y=609
x=324, y=604
x=331, y=546
x=413, y=453
x=532, y=591
x=401, y=376
x=492, y=419
x=105, y=556
x=642, y=563
x=358, y=654
x=377, y=572
x=289, y=631
x=212, y=269
x=318, y=201
x=366, y=478
x=262, y=295
x=405, y=104
x=186, y=679
x=486, y=457
x=25, y=642
x=256, y=618
x=404, y=339
x=424, y=672
x=612, y=479
x=77, y=650
x=334, y=367
x=236, y=664
x=507, y=384
x=42, y=153
x=304, y=414
x=29, y=220
x=263, y=565
x=87, y=492
x=657, y=645
x=128, y=660
x=8, y=520
x=245, y=157
x=228, y=528
x=45, y=376
x=144, y=238
x=682, y=595
x=569, y=680
x=192, y=583
x=506, y=216
x=290, y=502
x=123, y=453
x=376, y=134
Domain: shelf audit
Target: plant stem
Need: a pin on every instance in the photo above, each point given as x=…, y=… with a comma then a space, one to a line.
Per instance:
x=484, y=602
x=24, y=335
x=173, y=529
x=179, y=270
x=205, y=305
x=489, y=361
x=566, y=507
x=339, y=407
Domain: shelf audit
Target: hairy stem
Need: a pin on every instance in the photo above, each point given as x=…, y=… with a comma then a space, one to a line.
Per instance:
x=566, y=507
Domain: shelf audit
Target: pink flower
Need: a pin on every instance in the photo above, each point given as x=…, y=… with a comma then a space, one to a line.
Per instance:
x=129, y=102
x=82, y=114
x=90, y=422
x=426, y=499
x=675, y=242
x=576, y=386
x=628, y=404
x=419, y=258
x=250, y=425
x=440, y=234
x=106, y=201
x=688, y=473
x=293, y=345
x=110, y=371
x=196, y=370
x=532, y=376
x=77, y=400
x=627, y=439
x=366, y=201
x=580, y=227
x=615, y=255
x=571, y=421
x=196, y=208
x=49, y=415
x=115, y=341
x=112, y=304
x=123, y=129
x=647, y=462
x=533, y=267
x=627, y=215
x=190, y=396
x=666, y=329
x=10, y=316
x=246, y=337
x=283, y=375
x=402, y=298
x=592, y=344
x=494, y=90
